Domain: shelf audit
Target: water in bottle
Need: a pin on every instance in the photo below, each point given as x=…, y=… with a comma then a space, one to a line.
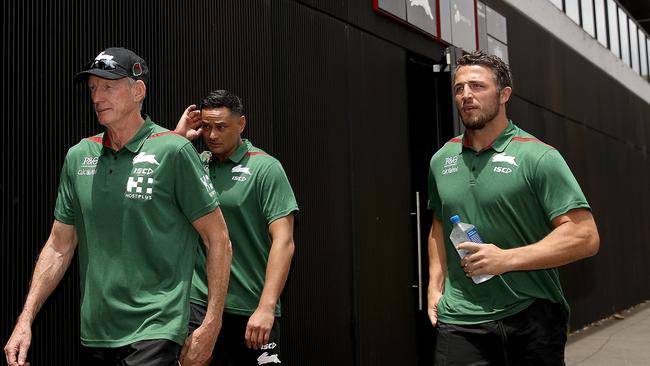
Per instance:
x=462, y=232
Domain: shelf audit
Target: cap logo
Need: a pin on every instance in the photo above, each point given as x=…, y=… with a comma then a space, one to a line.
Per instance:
x=103, y=56
x=104, y=62
x=137, y=69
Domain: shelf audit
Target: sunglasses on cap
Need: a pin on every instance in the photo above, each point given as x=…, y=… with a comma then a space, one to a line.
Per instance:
x=104, y=64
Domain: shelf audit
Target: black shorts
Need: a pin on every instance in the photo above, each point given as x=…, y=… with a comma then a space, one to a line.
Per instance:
x=231, y=349
x=155, y=352
x=535, y=336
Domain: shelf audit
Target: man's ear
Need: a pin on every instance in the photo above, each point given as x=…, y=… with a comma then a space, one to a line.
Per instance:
x=504, y=96
x=139, y=90
x=241, y=122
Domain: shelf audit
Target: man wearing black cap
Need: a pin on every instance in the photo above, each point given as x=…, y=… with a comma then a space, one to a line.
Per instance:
x=133, y=199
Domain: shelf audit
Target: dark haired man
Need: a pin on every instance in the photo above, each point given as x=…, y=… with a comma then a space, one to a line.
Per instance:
x=258, y=205
x=532, y=215
x=133, y=199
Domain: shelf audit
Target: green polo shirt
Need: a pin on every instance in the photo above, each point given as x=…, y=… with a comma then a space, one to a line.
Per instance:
x=253, y=192
x=510, y=191
x=133, y=211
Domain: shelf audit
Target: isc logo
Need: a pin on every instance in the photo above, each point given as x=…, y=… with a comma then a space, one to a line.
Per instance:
x=239, y=178
x=145, y=171
x=501, y=169
x=271, y=345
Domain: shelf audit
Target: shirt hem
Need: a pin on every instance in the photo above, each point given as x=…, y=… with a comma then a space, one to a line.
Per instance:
x=203, y=211
x=281, y=214
x=63, y=219
x=120, y=343
x=231, y=310
x=480, y=319
x=572, y=206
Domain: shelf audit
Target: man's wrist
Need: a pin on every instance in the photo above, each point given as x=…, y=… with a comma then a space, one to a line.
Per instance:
x=266, y=306
x=26, y=318
x=210, y=330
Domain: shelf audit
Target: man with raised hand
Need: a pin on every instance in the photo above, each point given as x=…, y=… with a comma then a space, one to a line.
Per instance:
x=258, y=205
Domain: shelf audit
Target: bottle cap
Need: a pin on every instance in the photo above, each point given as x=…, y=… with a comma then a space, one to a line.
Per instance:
x=455, y=219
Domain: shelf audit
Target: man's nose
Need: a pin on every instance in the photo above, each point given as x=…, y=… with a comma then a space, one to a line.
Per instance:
x=95, y=96
x=467, y=93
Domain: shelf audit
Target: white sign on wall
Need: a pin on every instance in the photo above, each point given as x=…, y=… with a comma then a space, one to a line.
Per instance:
x=422, y=14
x=452, y=21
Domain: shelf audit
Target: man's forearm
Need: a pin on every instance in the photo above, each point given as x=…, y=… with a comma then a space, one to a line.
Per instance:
x=212, y=228
x=437, y=258
x=218, y=258
x=277, y=270
x=52, y=263
x=574, y=237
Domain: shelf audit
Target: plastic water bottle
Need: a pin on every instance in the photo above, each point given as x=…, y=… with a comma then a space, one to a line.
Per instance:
x=462, y=232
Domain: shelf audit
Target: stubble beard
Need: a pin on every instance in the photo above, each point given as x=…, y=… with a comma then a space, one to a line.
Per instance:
x=482, y=119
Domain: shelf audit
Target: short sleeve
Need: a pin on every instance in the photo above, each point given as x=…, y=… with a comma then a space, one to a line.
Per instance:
x=556, y=188
x=276, y=196
x=434, y=198
x=194, y=191
x=65, y=200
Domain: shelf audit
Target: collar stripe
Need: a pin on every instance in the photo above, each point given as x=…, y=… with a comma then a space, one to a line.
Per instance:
x=530, y=139
x=100, y=140
x=162, y=134
x=255, y=153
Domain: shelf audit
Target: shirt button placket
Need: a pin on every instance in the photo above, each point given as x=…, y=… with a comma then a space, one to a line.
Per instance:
x=472, y=168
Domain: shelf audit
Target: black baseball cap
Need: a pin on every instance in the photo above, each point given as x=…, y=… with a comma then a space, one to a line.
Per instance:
x=115, y=63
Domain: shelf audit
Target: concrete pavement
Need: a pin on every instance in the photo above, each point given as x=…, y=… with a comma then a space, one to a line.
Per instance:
x=613, y=342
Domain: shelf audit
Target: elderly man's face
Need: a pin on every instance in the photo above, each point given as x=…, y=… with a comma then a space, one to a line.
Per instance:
x=113, y=100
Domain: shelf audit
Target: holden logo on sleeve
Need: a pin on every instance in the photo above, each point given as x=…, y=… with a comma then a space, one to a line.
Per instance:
x=208, y=185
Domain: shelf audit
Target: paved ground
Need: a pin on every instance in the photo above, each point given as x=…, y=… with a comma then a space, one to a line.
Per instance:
x=617, y=341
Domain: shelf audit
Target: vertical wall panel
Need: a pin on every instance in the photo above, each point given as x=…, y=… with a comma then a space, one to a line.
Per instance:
x=381, y=186
x=310, y=96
